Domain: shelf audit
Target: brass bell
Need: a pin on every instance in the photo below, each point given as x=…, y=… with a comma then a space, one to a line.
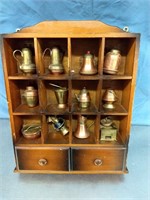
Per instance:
x=109, y=98
x=55, y=66
x=82, y=130
x=89, y=66
x=26, y=66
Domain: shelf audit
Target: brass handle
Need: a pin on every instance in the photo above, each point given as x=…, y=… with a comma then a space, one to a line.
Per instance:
x=98, y=162
x=42, y=162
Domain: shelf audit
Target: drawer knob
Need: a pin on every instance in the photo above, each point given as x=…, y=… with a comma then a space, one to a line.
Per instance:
x=42, y=162
x=98, y=162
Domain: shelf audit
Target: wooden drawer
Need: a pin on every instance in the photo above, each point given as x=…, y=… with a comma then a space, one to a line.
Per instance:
x=96, y=159
x=42, y=158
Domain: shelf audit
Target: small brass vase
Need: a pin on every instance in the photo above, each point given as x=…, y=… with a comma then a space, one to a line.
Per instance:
x=26, y=66
x=31, y=96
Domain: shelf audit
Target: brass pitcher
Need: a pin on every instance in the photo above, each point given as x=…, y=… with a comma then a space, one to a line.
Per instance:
x=112, y=62
x=82, y=130
x=56, y=66
x=58, y=124
x=83, y=98
x=27, y=66
x=31, y=96
x=89, y=65
x=109, y=98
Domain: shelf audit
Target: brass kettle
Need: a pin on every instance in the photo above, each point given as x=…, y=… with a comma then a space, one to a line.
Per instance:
x=82, y=130
x=83, y=98
x=55, y=66
x=26, y=66
x=109, y=98
x=88, y=65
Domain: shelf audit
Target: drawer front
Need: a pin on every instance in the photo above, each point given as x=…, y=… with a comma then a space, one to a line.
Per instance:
x=98, y=159
x=42, y=158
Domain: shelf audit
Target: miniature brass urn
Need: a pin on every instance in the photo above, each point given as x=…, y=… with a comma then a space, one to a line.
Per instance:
x=26, y=66
x=88, y=65
x=31, y=96
x=55, y=66
x=109, y=98
x=83, y=98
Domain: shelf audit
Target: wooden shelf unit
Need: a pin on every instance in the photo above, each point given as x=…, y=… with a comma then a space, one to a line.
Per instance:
x=68, y=154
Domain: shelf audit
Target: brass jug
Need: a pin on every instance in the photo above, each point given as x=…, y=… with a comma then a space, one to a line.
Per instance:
x=31, y=96
x=112, y=61
x=82, y=130
x=58, y=124
x=88, y=65
x=56, y=66
x=109, y=98
x=83, y=98
x=26, y=66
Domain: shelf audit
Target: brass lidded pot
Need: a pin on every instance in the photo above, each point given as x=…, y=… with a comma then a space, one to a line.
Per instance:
x=109, y=98
x=112, y=62
x=83, y=98
x=26, y=66
x=31, y=131
x=31, y=96
x=88, y=66
x=55, y=66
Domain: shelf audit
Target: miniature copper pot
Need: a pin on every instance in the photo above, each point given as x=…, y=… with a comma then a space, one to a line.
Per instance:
x=26, y=66
x=112, y=62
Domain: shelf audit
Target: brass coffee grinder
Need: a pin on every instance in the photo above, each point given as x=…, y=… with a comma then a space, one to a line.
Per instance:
x=108, y=130
x=88, y=66
x=55, y=66
x=109, y=97
x=58, y=124
x=61, y=94
x=26, y=66
x=81, y=131
x=83, y=99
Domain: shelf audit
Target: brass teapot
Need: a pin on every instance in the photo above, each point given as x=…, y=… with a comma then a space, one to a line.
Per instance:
x=83, y=98
x=26, y=66
x=88, y=65
x=55, y=66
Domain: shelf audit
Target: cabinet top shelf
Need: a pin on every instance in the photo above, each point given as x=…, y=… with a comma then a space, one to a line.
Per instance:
x=69, y=29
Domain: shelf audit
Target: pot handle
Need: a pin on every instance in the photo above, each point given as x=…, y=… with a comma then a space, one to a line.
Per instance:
x=14, y=55
x=44, y=52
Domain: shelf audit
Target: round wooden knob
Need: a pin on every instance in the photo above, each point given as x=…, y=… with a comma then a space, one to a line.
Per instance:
x=98, y=162
x=42, y=162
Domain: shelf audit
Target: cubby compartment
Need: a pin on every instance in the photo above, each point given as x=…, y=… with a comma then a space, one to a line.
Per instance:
x=12, y=44
x=126, y=46
x=80, y=47
x=121, y=93
x=19, y=97
x=32, y=125
x=85, y=129
x=92, y=90
x=54, y=100
x=45, y=56
x=57, y=129
x=112, y=128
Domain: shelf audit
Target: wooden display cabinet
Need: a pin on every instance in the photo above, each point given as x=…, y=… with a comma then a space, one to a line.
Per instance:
x=54, y=152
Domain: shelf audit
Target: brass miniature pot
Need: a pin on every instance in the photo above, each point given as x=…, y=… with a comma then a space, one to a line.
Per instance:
x=88, y=65
x=26, y=66
x=112, y=62
x=83, y=98
x=109, y=98
x=31, y=131
x=31, y=96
